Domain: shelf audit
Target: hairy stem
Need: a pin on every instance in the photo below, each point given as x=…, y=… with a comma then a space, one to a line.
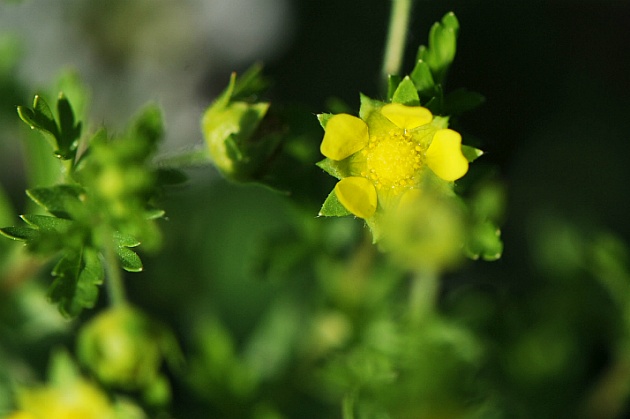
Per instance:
x=396, y=38
x=423, y=295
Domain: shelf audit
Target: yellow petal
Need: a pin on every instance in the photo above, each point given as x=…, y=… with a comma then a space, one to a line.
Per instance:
x=407, y=117
x=358, y=195
x=345, y=135
x=445, y=157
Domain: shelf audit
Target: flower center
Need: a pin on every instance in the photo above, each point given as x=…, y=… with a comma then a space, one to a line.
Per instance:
x=392, y=160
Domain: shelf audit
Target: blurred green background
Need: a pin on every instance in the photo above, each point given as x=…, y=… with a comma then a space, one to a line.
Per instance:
x=555, y=128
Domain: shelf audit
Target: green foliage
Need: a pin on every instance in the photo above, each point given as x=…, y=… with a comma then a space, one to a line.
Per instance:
x=63, y=132
x=105, y=202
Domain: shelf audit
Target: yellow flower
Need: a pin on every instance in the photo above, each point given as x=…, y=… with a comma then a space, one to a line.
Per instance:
x=391, y=149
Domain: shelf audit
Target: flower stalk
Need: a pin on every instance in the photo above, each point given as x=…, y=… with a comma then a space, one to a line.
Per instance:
x=396, y=38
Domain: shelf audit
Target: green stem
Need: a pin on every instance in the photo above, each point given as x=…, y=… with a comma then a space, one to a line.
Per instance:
x=423, y=295
x=113, y=281
x=396, y=37
x=348, y=406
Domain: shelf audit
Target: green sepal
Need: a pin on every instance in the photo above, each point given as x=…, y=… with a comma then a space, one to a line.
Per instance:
x=423, y=79
x=368, y=106
x=250, y=84
x=77, y=275
x=471, y=153
x=461, y=101
x=20, y=233
x=442, y=46
x=338, y=169
x=59, y=200
x=323, y=119
x=392, y=84
x=406, y=93
x=332, y=207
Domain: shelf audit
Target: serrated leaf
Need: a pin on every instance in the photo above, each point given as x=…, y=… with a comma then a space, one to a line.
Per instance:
x=406, y=93
x=129, y=260
x=20, y=233
x=59, y=200
x=423, y=79
x=333, y=208
x=471, y=153
x=77, y=275
x=69, y=133
x=73, y=88
x=41, y=119
x=462, y=100
x=392, y=84
x=46, y=223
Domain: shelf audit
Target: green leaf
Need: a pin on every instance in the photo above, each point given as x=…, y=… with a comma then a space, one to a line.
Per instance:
x=77, y=275
x=69, y=132
x=333, y=208
x=462, y=100
x=20, y=233
x=471, y=153
x=77, y=93
x=406, y=93
x=41, y=119
x=60, y=200
x=47, y=223
x=130, y=261
x=423, y=79
x=125, y=240
x=392, y=84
